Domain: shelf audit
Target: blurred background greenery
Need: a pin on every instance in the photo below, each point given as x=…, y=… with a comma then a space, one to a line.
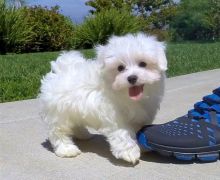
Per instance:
x=32, y=36
x=37, y=28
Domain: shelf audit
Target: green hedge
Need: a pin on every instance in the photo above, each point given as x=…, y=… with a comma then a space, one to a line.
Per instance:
x=52, y=31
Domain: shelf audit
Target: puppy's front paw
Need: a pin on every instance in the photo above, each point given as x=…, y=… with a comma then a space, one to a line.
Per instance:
x=67, y=150
x=123, y=146
x=129, y=153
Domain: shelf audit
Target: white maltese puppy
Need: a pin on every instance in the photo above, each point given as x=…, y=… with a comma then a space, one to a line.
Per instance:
x=114, y=95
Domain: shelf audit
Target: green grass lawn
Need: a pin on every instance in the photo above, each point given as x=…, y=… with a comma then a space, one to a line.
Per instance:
x=20, y=74
x=185, y=58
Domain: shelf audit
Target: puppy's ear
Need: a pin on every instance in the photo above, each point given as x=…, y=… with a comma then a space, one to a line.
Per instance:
x=162, y=60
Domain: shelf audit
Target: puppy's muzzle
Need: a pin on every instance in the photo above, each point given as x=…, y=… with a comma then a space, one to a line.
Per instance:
x=132, y=79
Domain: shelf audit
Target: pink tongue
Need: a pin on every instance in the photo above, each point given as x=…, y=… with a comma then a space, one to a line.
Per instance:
x=136, y=92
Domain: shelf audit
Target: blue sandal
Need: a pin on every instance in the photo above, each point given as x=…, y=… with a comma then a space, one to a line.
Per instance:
x=193, y=136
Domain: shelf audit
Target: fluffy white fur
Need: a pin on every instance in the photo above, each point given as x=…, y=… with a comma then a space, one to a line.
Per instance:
x=80, y=94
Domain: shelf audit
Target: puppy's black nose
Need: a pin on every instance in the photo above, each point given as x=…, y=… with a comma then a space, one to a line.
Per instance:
x=132, y=79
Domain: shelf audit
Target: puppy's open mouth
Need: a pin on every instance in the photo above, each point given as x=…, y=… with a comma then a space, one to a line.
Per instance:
x=136, y=92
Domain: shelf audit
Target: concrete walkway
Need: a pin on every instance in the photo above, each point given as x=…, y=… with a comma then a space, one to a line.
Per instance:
x=25, y=153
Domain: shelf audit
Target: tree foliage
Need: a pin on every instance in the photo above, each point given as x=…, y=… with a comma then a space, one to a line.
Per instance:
x=158, y=13
x=155, y=13
x=102, y=5
x=197, y=20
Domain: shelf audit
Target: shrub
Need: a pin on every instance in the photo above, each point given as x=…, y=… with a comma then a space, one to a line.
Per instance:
x=97, y=28
x=52, y=31
x=13, y=28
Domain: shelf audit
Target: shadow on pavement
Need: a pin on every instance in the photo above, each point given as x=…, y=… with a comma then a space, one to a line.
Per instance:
x=99, y=146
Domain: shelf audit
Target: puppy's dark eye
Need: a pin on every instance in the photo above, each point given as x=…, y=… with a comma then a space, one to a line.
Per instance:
x=142, y=64
x=121, y=68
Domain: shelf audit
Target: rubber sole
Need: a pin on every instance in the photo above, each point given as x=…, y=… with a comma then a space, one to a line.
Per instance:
x=201, y=156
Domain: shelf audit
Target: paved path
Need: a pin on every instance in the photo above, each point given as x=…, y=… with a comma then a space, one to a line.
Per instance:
x=25, y=153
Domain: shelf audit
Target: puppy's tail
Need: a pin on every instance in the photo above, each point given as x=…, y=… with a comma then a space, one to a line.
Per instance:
x=67, y=61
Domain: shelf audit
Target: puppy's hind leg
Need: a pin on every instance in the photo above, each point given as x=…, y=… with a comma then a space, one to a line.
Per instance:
x=63, y=145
